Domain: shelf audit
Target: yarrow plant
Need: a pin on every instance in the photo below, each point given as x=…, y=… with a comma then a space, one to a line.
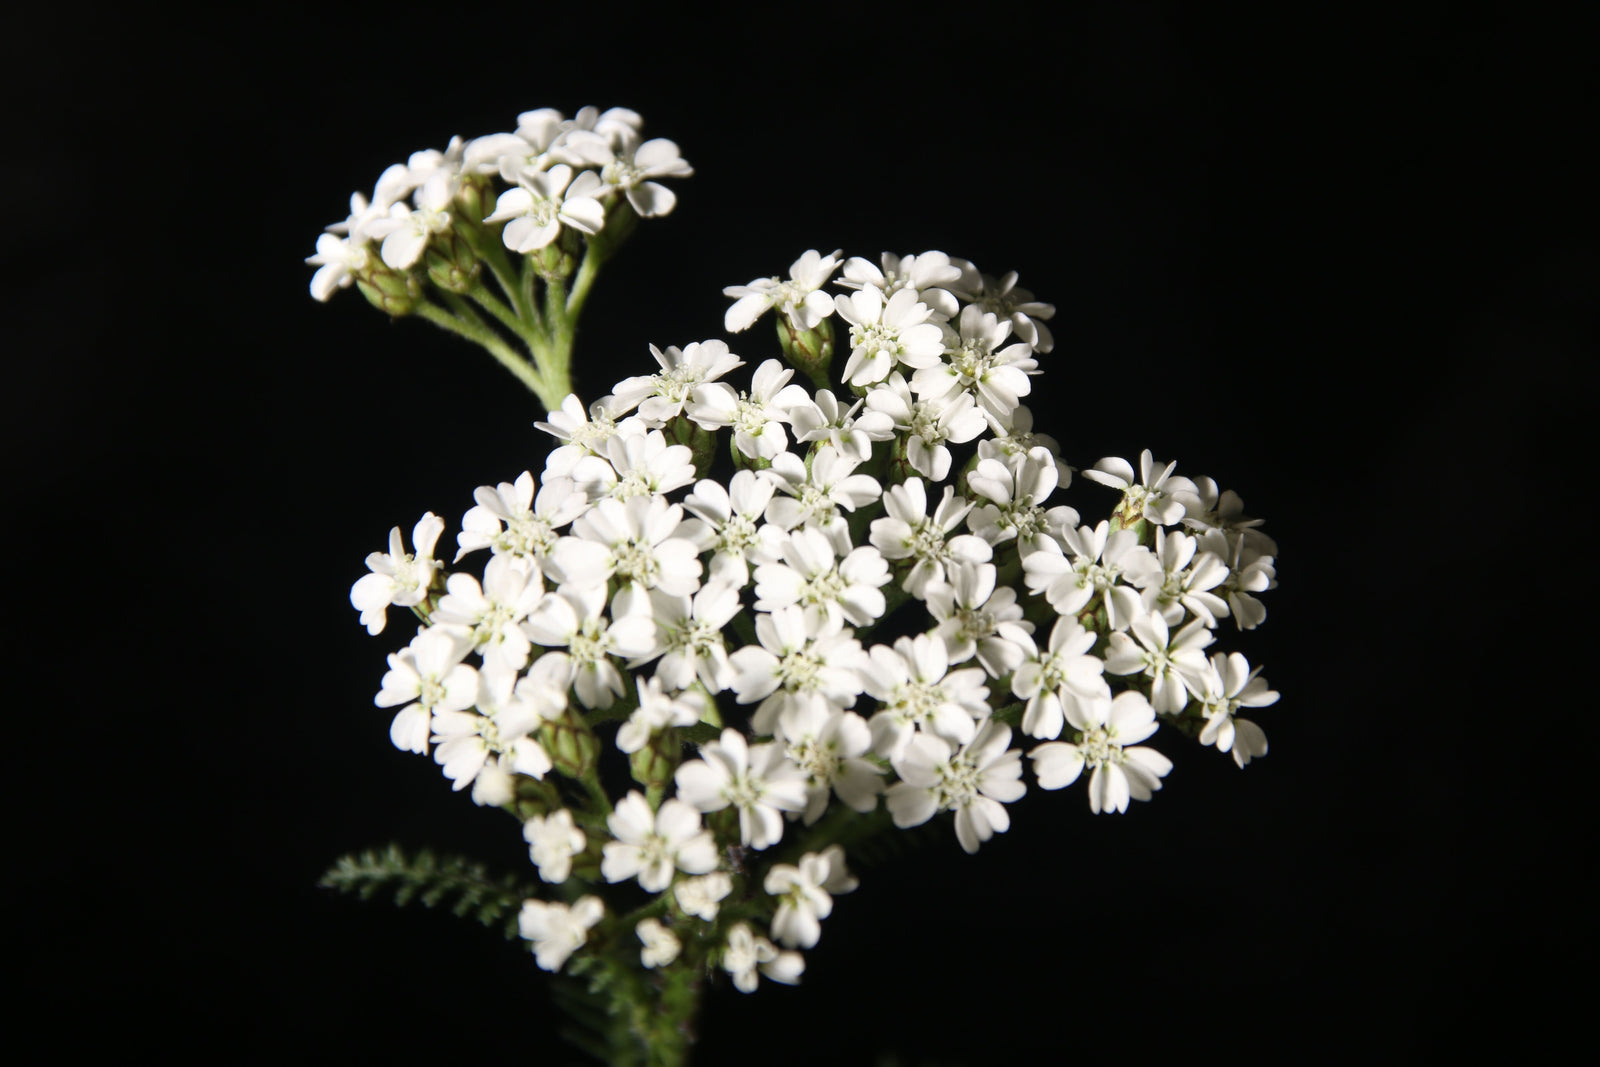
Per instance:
x=738, y=622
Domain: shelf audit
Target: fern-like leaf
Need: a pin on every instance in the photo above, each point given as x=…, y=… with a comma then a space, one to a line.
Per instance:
x=431, y=879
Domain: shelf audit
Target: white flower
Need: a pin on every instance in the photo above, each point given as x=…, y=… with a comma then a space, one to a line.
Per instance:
x=541, y=204
x=803, y=899
x=1173, y=664
x=493, y=611
x=405, y=233
x=573, y=617
x=638, y=534
x=758, y=780
x=792, y=659
x=1102, y=560
x=1155, y=497
x=1017, y=487
x=1014, y=436
x=828, y=744
x=635, y=464
x=509, y=520
x=582, y=433
x=798, y=298
x=906, y=532
x=973, y=783
x=1008, y=301
x=929, y=425
x=690, y=632
x=757, y=417
x=731, y=526
x=632, y=167
x=557, y=930
x=918, y=691
x=427, y=675
x=552, y=842
x=1052, y=681
x=1249, y=572
x=1181, y=581
x=822, y=418
x=660, y=397
x=442, y=169
x=1209, y=508
x=362, y=214
x=485, y=750
x=883, y=334
x=649, y=847
x=656, y=712
x=338, y=261
x=1106, y=728
x=700, y=896
x=975, y=362
x=977, y=619
x=815, y=491
x=927, y=275
x=747, y=951
x=661, y=946
x=1227, y=685
x=831, y=581
x=398, y=577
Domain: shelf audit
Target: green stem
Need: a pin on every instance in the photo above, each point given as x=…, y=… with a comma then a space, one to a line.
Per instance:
x=507, y=318
x=530, y=303
x=480, y=334
x=555, y=362
x=582, y=283
x=491, y=250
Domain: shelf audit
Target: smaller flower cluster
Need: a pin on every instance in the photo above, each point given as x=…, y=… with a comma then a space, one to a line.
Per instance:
x=718, y=629
x=428, y=218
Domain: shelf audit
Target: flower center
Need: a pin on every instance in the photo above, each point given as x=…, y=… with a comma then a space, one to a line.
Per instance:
x=799, y=671
x=588, y=645
x=525, y=535
x=822, y=589
x=972, y=360
x=818, y=760
x=621, y=173
x=1098, y=747
x=636, y=563
x=744, y=791
x=875, y=338
x=958, y=783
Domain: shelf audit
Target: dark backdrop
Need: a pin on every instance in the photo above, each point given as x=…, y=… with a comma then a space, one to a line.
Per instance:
x=1341, y=264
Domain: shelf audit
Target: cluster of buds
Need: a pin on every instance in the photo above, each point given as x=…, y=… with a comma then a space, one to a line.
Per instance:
x=792, y=609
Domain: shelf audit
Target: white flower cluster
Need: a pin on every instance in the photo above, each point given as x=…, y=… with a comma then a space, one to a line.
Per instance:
x=561, y=174
x=629, y=593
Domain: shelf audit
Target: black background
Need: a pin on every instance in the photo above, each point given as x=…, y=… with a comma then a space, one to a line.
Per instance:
x=1346, y=265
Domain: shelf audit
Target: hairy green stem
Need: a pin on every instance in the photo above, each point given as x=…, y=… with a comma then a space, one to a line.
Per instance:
x=482, y=335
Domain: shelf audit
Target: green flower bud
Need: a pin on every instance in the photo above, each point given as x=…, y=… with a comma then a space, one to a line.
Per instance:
x=811, y=351
x=476, y=197
x=654, y=764
x=452, y=266
x=572, y=746
x=387, y=289
x=556, y=261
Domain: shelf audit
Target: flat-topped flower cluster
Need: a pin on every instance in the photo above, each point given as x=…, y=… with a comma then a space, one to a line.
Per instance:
x=820, y=617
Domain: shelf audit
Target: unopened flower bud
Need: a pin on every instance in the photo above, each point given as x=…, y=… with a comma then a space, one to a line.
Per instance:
x=654, y=764
x=811, y=351
x=390, y=291
x=451, y=264
x=475, y=196
x=572, y=746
